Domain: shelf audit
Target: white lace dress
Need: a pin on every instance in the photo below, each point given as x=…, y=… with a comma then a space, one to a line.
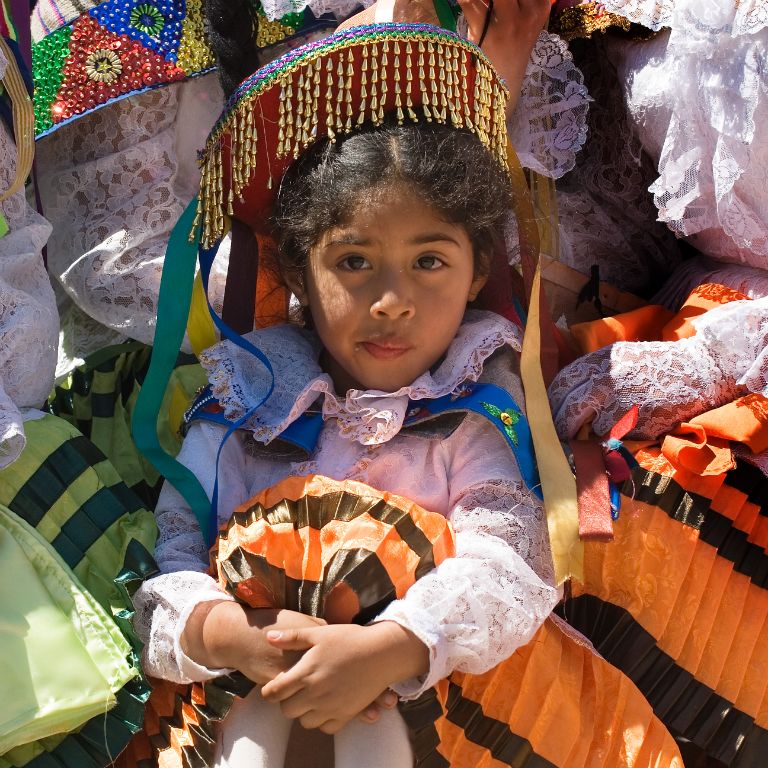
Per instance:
x=697, y=97
x=29, y=323
x=474, y=609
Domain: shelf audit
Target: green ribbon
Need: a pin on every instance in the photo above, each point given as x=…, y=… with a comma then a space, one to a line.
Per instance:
x=447, y=14
x=172, y=313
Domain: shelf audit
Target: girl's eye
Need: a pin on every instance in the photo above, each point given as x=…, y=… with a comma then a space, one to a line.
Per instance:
x=429, y=262
x=354, y=263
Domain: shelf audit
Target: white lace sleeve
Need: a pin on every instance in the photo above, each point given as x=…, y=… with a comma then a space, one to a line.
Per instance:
x=475, y=609
x=670, y=382
x=163, y=604
x=549, y=124
x=29, y=323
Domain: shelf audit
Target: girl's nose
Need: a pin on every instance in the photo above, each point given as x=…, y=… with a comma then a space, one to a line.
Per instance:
x=394, y=300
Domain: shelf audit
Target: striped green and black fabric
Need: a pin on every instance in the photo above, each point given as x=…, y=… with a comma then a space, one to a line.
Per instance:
x=99, y=397
x=65, y=487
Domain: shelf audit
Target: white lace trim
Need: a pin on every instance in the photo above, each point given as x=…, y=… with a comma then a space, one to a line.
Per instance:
x=549, y=124
x=670, y=382
x=743, y=16
x=240, y=381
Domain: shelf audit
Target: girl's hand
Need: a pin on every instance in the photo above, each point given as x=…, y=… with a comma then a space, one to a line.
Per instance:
x=512, y=30
x=345, y=667
x=230, y=635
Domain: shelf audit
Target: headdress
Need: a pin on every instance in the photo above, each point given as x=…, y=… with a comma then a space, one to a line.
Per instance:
x=331, y=88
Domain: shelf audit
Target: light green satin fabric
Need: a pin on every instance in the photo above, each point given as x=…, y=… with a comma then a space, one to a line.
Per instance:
x=62, y=658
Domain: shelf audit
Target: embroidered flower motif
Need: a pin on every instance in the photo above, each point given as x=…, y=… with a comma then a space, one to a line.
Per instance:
x=507, y=417
x=103, y=66
x=146, y=18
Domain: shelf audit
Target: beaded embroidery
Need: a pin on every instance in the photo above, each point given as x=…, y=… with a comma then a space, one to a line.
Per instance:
x=118, y=47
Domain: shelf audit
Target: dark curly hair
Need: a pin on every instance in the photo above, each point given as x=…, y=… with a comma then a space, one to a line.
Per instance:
x=449, y=168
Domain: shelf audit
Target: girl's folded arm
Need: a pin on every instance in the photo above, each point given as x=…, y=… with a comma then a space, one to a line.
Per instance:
x=164, y=604
x=475, y=609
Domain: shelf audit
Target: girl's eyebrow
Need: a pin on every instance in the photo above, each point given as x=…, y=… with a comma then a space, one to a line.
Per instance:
x=427, y=237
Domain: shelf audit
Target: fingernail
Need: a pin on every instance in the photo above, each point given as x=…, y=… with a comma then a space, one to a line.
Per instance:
x=273, y=634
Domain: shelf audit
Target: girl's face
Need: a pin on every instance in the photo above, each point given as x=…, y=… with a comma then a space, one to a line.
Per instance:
x=387, y=291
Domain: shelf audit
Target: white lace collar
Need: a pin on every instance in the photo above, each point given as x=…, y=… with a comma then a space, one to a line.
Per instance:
x=239, y=381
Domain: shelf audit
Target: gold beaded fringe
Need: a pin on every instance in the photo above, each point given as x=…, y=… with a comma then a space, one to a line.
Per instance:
x=436, y=67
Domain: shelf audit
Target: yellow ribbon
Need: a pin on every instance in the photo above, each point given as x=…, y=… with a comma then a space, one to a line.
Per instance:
x=558, y=483
x=200, y=327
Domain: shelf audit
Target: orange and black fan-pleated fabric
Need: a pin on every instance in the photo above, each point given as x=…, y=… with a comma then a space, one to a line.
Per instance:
x=679, y=601
x=338, y=550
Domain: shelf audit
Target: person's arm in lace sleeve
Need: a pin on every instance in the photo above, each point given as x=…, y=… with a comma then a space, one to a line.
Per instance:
x=163, y=604
x=475, y=609
x=669, y=381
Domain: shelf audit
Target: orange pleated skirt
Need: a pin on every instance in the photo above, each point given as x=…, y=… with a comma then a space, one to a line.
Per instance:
x=679, y=602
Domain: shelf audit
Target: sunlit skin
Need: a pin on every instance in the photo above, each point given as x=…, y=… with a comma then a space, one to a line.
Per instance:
x=387, y=292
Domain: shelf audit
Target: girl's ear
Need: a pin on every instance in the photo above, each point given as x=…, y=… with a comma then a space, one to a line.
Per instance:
x=477, y=286
x=295, y=281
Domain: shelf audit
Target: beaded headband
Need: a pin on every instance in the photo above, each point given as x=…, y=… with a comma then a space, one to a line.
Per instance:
x=414, y=72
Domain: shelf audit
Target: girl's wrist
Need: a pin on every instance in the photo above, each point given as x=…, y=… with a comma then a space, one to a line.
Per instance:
x=404, y=656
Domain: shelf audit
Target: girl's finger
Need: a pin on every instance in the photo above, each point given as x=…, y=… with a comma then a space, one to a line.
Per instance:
x=370, y=714
x=290, y=639
x=283, y=686
x=387, y=700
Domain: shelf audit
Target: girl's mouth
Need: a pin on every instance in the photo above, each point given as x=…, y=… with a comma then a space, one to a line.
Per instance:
x=385, y=350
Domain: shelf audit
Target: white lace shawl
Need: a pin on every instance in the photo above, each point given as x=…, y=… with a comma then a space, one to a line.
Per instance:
x=471, y=612
x=697, y=98
x=670, y=382
x=29, y=323
x=113, y=183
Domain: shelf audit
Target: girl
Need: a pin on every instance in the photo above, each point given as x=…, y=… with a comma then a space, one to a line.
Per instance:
x=386, y=233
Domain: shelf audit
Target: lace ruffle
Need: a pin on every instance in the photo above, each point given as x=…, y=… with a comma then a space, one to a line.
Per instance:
x=698, y=99
x=240, y=382
x=749, y=16
x=549, y=124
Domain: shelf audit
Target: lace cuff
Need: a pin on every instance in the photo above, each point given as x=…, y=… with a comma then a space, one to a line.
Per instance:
x=163, y=605
x=475, y=609
x=670, y=382
x=549, y=124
